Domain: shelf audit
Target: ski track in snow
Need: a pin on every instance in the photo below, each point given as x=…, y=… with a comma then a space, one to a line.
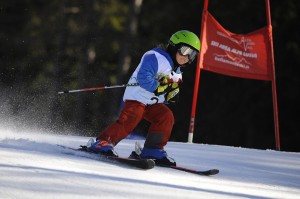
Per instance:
x=33, y=166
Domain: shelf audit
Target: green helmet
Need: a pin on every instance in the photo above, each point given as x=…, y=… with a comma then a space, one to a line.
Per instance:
x=186, y=37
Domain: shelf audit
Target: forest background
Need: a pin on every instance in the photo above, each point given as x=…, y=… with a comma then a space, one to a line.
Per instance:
x=50, y=46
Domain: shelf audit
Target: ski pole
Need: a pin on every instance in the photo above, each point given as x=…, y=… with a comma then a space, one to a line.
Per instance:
x=98, y=88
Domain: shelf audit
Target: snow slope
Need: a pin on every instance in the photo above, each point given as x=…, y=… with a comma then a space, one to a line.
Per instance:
x=33, y=166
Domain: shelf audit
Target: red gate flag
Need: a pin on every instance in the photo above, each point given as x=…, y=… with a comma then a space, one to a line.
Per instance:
x=246, y=56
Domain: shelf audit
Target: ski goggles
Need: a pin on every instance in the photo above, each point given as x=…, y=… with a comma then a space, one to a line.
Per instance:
x=185, y=50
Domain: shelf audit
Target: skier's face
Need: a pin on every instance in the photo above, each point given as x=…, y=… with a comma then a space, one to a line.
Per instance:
x=185, y=54
x=182, y=59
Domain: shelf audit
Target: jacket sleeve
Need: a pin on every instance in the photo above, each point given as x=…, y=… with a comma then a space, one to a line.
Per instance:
x=146, y=74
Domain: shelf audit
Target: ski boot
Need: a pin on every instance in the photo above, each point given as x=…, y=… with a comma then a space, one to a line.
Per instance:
x=102, y=147
x=160, y=156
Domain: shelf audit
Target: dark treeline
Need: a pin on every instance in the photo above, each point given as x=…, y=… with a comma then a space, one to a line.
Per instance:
x=50, y=46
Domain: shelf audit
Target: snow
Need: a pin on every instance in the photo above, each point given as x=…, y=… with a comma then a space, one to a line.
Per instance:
x=33, y=166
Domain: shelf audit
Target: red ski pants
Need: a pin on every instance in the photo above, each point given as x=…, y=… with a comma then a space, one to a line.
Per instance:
x=159, y=115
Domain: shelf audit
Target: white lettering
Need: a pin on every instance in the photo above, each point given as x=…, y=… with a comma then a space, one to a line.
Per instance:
x=224, y=47
x=252, y=55
x=235, y=51
x=214, y=43
x=240, y=65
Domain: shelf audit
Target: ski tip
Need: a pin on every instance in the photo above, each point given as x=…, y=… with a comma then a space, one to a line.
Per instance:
x=212, y=172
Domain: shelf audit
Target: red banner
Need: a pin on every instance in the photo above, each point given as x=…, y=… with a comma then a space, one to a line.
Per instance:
x=245, y=56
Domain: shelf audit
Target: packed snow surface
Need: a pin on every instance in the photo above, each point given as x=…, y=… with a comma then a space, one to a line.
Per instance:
x=33, y=166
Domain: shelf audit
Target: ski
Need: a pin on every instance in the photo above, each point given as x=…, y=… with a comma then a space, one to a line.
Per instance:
x=138, y=149
x=144, y=164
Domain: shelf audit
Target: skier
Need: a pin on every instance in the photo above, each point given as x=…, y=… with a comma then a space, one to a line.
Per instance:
x=159, y=76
